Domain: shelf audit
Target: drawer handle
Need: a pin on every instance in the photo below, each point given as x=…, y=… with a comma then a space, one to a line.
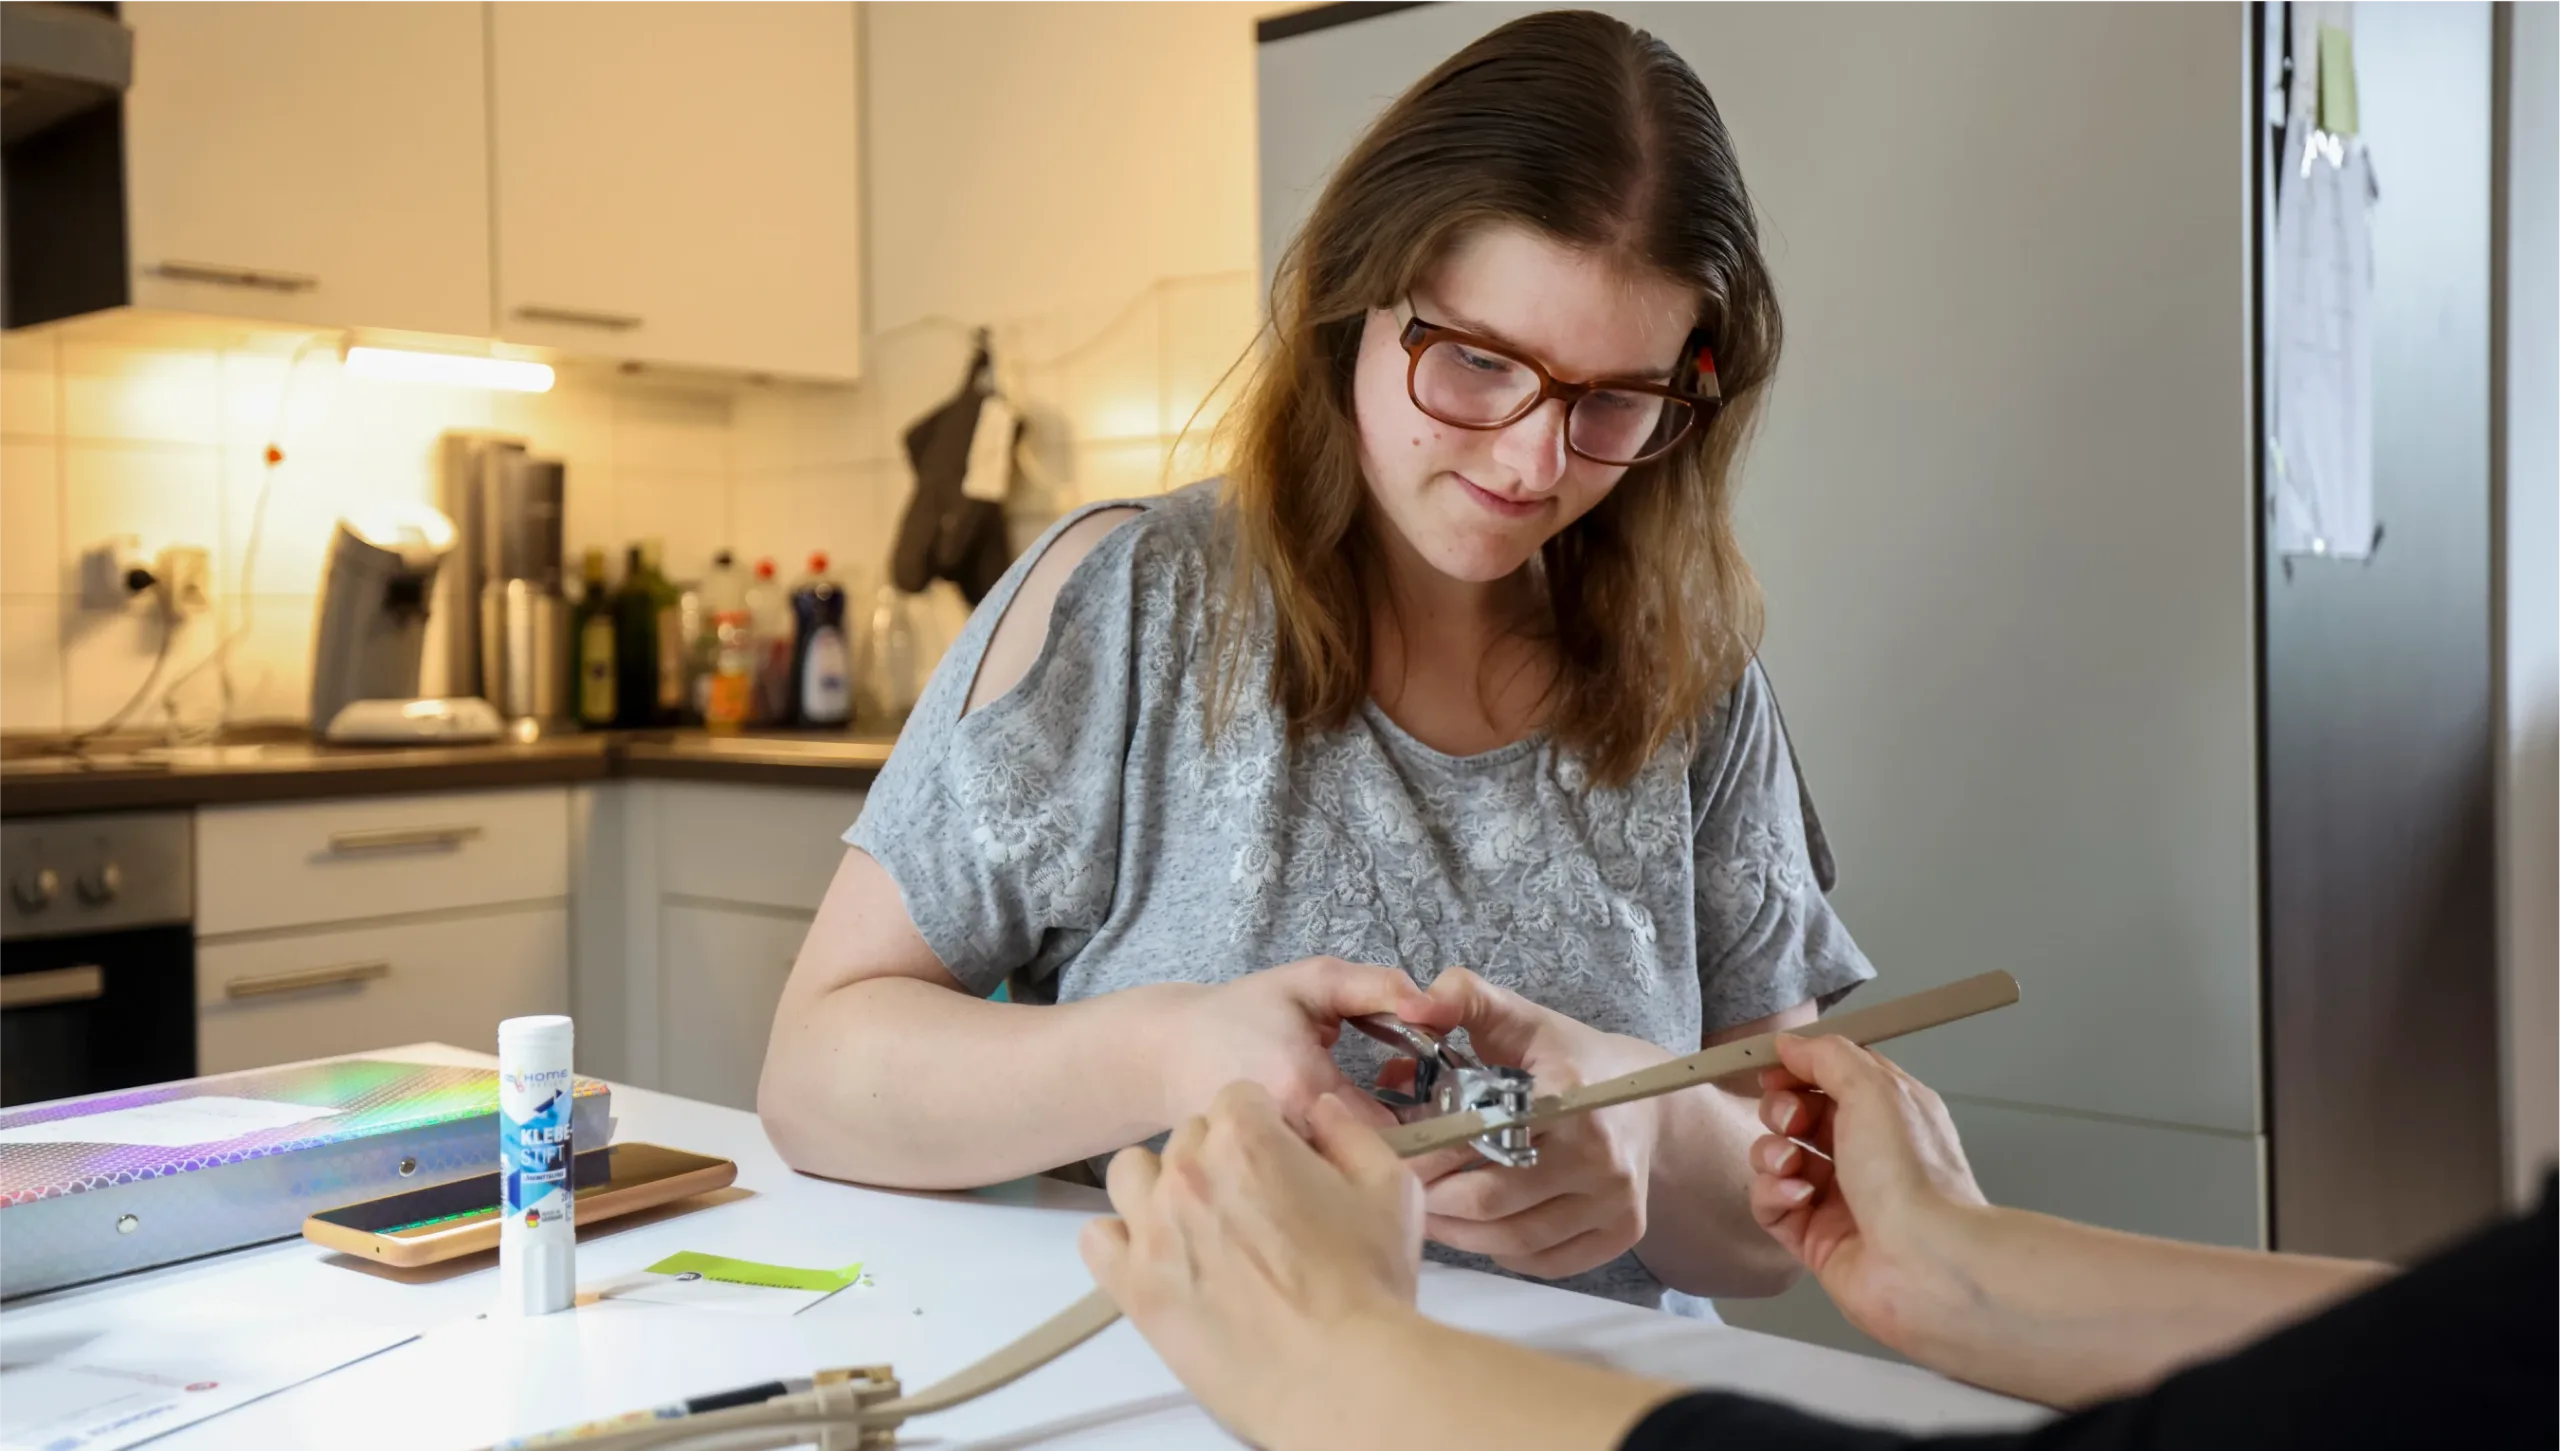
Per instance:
x=620, y=322
x=221, y=276
x=401, y=838
x=309, y=977
x=83, y=984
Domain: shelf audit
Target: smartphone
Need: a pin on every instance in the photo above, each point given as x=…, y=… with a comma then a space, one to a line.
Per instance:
x=442, y=1221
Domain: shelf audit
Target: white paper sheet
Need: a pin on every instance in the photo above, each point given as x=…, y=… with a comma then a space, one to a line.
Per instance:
x=66, y=1388
x=179, y=1123
x=2322, y=477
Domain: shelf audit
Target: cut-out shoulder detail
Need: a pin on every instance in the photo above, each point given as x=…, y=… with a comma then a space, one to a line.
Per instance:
x=1025, y=625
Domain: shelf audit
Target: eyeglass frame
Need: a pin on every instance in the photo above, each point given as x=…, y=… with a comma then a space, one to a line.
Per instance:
x=1418, y=337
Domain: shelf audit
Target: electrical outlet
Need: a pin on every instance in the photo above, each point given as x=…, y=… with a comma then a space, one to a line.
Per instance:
x=114, y=572
x=186, y=579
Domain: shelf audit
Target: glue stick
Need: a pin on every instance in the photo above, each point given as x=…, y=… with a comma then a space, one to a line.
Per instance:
x=537, y=1238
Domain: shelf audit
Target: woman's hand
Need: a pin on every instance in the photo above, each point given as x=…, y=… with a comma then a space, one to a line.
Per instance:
x=1277, y=1028
x=1583, y=1204
x=1244, y=1251
x=1872, y=1207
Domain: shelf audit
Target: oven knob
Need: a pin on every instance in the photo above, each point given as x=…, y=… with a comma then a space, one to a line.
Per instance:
x=102, y=884
x=36, y=890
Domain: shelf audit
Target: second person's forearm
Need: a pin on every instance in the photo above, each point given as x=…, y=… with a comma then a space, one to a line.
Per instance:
x=2068, y=1313
x=908, y=1085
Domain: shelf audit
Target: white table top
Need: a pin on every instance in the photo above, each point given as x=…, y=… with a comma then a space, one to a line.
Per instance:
x=953, y=1276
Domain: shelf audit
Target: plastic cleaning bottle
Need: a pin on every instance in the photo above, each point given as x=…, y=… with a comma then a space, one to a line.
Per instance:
x=591, y=636
x=821, y=666
x=769, y=622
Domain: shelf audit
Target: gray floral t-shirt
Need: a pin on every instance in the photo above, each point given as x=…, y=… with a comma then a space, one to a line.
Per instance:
x=1078, y=835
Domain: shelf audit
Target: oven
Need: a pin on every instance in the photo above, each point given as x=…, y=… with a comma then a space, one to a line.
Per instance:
x=97, y=954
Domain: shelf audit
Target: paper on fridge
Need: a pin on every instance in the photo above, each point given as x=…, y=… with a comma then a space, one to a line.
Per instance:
x=69, y=1384
x=2322, y=463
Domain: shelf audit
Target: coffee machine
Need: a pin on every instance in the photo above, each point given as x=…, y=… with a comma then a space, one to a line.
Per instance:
x=505, y=618
x=377, y=590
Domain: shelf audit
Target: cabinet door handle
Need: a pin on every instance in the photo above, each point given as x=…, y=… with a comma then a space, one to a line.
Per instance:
x=620, y=322
x=221, y=276
x=86, y=983
x=401, y=838
x=302, y=978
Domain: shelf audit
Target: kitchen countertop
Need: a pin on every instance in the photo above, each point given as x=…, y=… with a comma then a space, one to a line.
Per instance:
x=948, y=1278
x=39, y=778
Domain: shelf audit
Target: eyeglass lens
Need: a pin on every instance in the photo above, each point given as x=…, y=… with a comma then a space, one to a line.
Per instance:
x=1474, y=387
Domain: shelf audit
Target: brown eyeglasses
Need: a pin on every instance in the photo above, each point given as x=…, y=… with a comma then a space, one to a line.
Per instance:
x=1467, y=381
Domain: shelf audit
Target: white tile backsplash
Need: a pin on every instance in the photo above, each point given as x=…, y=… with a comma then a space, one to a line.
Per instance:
x=30, y=518
x=27, y=386
x=160, y=494
x=114, y=394
x=31, y=664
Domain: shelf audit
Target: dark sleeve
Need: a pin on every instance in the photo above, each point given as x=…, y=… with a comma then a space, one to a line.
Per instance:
x=2463, y=1351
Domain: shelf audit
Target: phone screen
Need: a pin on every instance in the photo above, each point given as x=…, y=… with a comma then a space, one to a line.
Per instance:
x=439, y=1208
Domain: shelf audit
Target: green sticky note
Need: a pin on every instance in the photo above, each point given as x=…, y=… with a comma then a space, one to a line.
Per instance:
x=2337, y=81
x=748, y=1272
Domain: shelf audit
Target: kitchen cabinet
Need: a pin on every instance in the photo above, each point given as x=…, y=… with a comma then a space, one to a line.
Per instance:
x=324, y=164
x=279, y=998
x=679, y=183
x=303, y=863
x=693, y=898
x=334, y=926
x=721, y=971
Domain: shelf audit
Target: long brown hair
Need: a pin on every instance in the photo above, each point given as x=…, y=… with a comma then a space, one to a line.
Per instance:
x=1575, y=126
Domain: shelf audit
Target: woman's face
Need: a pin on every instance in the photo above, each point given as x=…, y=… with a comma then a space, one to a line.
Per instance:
x=1475, y=505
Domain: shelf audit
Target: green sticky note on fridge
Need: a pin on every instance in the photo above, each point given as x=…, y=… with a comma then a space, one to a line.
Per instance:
x=2337, y=81
x=763, y=1276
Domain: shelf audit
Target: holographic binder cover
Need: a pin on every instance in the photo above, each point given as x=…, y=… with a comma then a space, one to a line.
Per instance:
x=72, y=1211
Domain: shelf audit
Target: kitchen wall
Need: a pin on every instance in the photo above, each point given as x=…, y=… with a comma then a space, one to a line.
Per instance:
x=1079, y=179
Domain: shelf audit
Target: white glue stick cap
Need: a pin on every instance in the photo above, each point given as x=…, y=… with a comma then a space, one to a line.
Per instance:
x=539, y=1278
x=548, y=1036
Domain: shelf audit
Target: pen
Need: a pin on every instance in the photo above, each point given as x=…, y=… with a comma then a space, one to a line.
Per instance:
x=751, y=1395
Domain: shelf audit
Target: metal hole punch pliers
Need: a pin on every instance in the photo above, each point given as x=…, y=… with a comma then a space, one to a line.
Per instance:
x=1448, y=1079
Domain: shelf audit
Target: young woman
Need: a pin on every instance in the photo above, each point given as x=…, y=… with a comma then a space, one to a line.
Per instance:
x=1453, y=669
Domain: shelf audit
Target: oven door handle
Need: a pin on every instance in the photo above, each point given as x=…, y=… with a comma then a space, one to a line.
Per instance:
x=308, y=977
x=83, y=984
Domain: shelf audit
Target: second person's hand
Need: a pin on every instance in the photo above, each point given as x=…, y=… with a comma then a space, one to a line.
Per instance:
x=1863, y=1180
x=1277, y=1028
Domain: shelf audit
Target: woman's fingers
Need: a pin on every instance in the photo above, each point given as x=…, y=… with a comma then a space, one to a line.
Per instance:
x=1588, y=1250
x=1500, y=1023
x=1332, y=989
x=1547, y=1226
x=1493, y=1194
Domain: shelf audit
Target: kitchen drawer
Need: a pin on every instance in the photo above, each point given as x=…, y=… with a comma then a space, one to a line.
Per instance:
x=771, y=846
x=308, y=995
x=338, y=861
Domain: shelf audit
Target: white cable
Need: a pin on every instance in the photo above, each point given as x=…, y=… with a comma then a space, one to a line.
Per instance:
x=271, y=458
